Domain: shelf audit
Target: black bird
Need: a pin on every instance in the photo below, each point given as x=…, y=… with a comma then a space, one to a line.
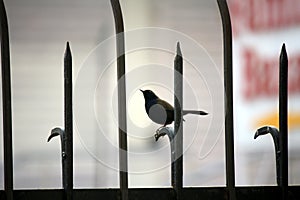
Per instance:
x=160, y=111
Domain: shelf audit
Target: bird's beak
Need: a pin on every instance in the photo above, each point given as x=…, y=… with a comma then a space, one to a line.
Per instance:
x=142, y=91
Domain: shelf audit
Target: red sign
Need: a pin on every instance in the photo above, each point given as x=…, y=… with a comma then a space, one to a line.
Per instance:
x=259, y=15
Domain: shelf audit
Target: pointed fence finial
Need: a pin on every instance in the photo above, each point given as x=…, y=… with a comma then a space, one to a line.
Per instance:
x=178, y=49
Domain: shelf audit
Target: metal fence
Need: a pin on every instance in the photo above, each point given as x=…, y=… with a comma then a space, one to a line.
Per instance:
x=282, y=191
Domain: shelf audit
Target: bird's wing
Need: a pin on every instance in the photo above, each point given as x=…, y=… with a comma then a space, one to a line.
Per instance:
x=165, y=104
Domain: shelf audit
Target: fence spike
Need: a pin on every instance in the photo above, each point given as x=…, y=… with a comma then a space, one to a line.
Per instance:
x=283, y=123
x=280, y=137
x=177, y=164
x=68, y=88
x=66, y=136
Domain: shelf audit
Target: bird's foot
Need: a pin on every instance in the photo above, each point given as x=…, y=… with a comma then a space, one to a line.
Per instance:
x=162, y=131
x=159, y=133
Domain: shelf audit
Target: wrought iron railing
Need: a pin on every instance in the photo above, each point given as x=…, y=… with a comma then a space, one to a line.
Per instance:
x=282, y=191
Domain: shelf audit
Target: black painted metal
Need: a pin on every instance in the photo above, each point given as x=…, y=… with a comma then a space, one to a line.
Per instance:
x=68, y=169
x=60, y=132
x=6, y=105
x=211, y=193
x=123, y=157
x=283, y=123
x=66, y=136
x=280, y=137
x=230, y=192
x=275, y=135
x=67, y=163
x=229, y=129
x=177, y=164
x=176, y=135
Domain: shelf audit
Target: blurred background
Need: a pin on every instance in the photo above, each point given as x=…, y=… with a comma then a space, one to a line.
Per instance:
x=39, y=31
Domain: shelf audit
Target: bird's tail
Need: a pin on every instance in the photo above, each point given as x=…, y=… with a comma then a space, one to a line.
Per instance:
x=194, y=112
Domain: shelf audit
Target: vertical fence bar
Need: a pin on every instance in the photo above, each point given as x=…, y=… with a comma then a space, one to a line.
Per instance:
x=68, y=160
x=283, y=120
x=6, y=106
x=177, y=173
x=229, y=132
x=123, y=160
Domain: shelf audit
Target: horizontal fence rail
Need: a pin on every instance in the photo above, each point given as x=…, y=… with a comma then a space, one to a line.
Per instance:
x=230, y=192
x=211, y=193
